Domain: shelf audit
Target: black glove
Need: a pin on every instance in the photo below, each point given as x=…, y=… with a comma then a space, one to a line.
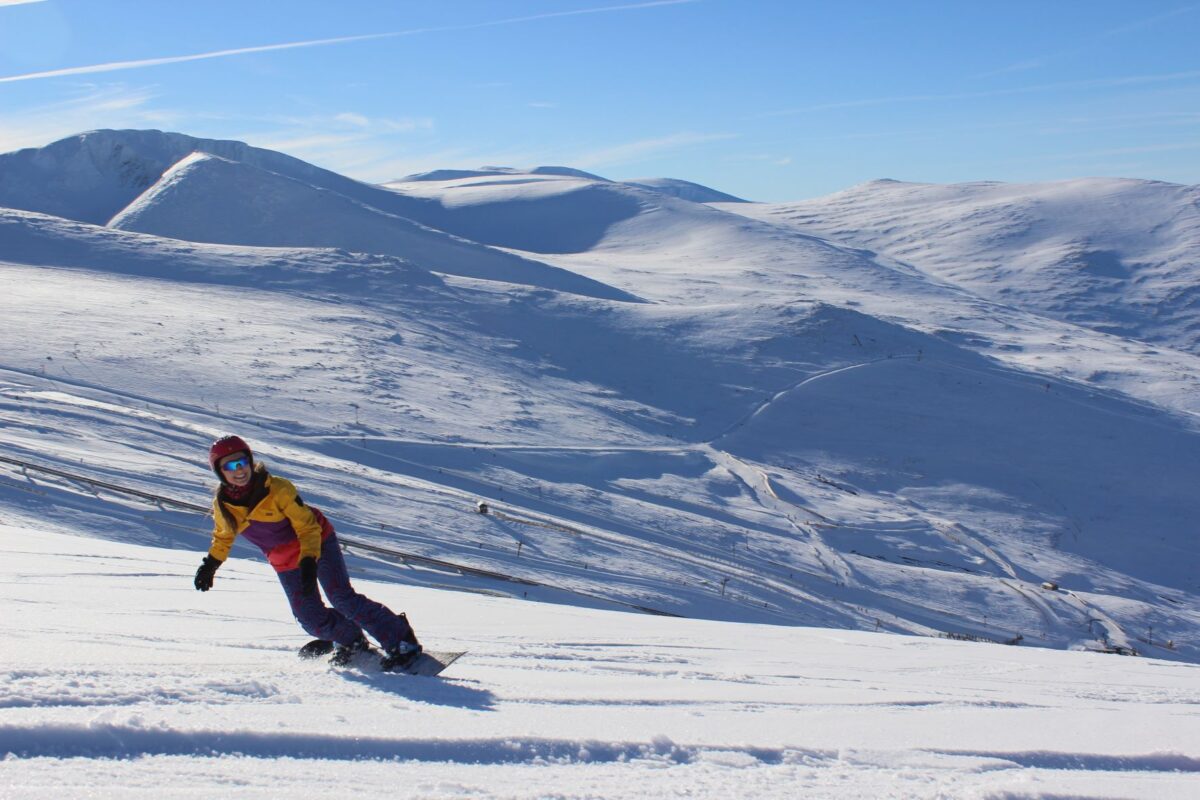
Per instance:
x=204, y=575
x=308, y=576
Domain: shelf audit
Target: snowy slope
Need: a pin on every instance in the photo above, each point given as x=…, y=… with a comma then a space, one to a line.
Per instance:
x=676, y=252
x=720, y=440
x=784, y=459
x=204, y=198
x=1118, y=256
x=147, y=689
x=667, y=406
x=685, y=190
x=555, y=211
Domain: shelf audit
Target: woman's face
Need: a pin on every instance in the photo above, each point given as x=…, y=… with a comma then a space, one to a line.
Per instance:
x=236, y=469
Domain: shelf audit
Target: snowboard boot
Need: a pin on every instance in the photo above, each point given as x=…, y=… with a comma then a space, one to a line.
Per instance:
x=400, y=657
x=316, y=648
x=345, y=652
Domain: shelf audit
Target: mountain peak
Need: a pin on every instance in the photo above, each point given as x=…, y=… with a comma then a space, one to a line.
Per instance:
x=92, y=176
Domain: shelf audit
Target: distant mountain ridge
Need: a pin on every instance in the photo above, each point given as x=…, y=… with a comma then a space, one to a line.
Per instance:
x=1120, y=256
x=92, y=177
x=205, y=198
x=1117, y=256
x=230, y=193
x=684, y=190
x=457, y=174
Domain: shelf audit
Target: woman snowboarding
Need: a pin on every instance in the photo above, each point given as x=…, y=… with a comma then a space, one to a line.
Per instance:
x=301, y=544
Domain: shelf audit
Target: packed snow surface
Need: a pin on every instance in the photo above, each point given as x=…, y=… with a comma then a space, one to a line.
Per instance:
x=730, y=452
x=119, y=683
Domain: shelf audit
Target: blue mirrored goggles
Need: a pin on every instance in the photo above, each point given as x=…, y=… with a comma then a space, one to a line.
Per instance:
x=235, y=464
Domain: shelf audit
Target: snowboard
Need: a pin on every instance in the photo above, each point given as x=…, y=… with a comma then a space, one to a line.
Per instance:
x=428, y=664
x=315, y=649
x=431, y=663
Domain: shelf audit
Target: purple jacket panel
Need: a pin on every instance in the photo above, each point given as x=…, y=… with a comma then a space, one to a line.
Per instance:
x=269, y=535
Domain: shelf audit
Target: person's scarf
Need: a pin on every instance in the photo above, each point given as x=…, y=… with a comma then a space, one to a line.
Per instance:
x=237, y=494
x=249, y=495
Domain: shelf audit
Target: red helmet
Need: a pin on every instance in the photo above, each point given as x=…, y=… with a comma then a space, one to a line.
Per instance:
x=227, y=446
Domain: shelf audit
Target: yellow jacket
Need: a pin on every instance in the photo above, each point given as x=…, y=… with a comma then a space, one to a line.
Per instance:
x=282, y=526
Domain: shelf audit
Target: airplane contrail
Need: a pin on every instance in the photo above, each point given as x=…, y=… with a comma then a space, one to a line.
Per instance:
x=154, y=62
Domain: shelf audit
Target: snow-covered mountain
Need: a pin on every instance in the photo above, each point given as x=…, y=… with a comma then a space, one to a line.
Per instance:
x=205, y=198
x=543, y=212
x=1119, y=256
x=685, y=190
x=455, y=174
x=725, y=411
x=696, y=382
x=93, y=176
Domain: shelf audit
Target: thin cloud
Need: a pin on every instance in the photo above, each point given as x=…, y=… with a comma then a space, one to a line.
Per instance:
x=1041, y=61
x=336, y=130
x=376, y=161
x=356, y=120
x=778, y=161
x=1073, y=125
x=632, y=151
x=1170, y=147
x=310, y=142
x=1020, y=66
x=330, y=138
x=98, y=107
x=156, y=62
x=1099, y=83
x=18, y=2
x=1147, y=22
x=327, y=137
x=383, y=149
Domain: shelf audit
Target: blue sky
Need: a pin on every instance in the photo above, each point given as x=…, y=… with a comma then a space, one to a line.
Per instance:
x=768, y=99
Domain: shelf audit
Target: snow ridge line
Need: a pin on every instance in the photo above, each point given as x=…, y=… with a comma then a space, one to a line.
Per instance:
x=348, y=541
x=107, y=740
